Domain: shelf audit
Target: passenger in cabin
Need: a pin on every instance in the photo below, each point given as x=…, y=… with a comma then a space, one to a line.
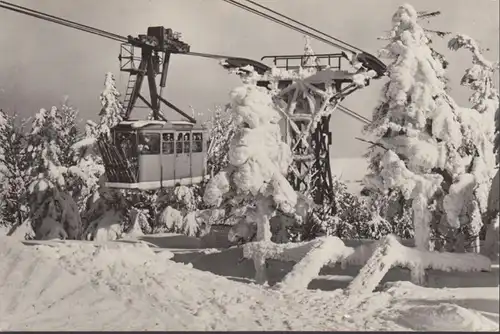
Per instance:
x=149, y=143
x=124, y=141
x=178, y=143
x=197, y=143
x=168, y=143
x=187, y=143
x=168, y=137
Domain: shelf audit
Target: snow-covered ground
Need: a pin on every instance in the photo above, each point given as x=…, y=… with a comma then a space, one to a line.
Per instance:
x=134, y=286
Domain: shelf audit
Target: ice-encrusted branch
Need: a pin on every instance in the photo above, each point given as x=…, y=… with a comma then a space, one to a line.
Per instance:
x=377, y=258
x=325, y=250
x=390, y=253
x=466, y=42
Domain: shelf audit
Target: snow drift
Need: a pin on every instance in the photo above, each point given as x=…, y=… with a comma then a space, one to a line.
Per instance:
x=84, y=286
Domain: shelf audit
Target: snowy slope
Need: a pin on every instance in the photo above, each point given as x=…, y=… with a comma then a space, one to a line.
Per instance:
x=81, y=286
x=351, y=171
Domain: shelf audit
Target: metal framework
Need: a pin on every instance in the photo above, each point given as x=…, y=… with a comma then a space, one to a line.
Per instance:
x=155, y=50
x=307, y=102
x=289, y=62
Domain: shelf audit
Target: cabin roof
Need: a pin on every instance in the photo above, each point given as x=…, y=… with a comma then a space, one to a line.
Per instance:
x=158, y=125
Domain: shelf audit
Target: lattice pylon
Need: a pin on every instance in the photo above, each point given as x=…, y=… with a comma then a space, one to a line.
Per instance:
x=307, y=108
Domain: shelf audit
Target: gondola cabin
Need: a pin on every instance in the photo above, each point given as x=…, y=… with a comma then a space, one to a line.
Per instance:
x=155, y=154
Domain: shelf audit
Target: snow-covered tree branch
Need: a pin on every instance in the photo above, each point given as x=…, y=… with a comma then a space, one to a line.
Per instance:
x=481, y=130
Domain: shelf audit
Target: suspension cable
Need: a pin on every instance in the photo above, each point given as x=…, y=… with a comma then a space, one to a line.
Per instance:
x=288, y=25
x=58, y=20
x=85, y=28
x=304, y=25
x=353, y=114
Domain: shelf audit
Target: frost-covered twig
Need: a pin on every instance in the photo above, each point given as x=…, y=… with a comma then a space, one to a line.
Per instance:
x=426, y=14
x=373, y=143
x=464, y=41
x=437, y=32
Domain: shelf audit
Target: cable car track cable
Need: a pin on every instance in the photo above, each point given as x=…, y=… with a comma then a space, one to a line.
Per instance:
x=304, y=25
x=59, y=20
x=353, y=114
x=288, y=25
x=85, y=28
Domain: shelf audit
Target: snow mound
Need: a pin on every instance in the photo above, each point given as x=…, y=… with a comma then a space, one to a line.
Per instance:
x=444, y=317
x=130, y=287
x=39, y=294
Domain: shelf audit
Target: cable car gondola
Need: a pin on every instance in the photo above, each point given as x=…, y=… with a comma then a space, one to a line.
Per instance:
x=154, y=154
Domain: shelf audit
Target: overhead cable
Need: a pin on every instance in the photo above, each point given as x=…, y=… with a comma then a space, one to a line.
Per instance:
x=288, y=25
x=304, y=25
x=58, y=20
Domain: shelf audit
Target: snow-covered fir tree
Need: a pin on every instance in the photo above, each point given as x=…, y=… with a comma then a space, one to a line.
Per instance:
x=106, y=211
x=89, y=160
x=497, y=137
x=82, y=171
x=390, y=213
x=221, y=127
x=54, y=213
x=88, y=169
x=494, y=195
x=181, y=210
x=391, y=205
x=342, y=218
x=112, y=109
x=258, y=162
x=356, y=217
x=14, y=175
x=423, y=135
x=492, y=236
x=309, y=58
x=110, y=115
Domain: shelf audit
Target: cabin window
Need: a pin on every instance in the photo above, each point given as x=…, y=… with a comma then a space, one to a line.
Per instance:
x=168, y=143
x=149, y=143
x=197, y=142
x=179, y=143
x=125, y=142
x=187, y=143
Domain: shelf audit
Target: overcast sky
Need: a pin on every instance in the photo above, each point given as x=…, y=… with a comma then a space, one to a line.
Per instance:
x=41, y=62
